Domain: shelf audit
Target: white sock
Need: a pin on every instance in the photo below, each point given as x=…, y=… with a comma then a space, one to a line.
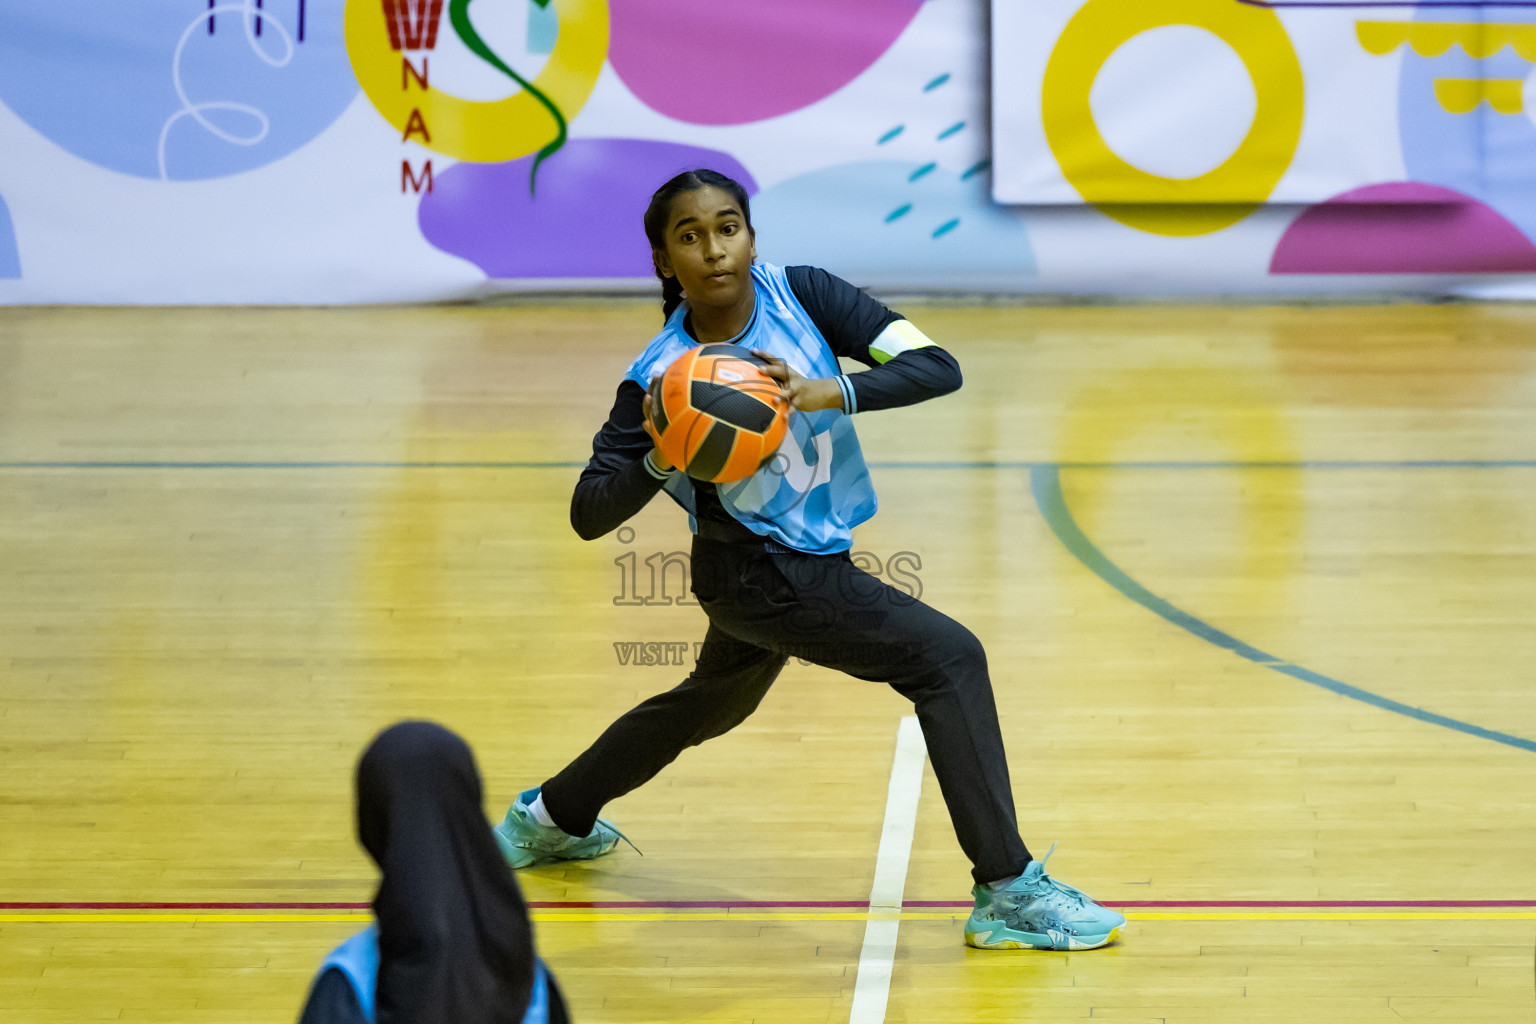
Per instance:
x=540, y=815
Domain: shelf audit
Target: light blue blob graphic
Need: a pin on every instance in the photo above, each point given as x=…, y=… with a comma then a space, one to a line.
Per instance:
x=10, y=255
x=882, y=222
x=543, y=27
x=1484, y=154
x=100, y=78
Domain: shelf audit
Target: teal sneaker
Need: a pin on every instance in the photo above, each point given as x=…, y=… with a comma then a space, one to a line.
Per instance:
x=1035, y=911
x=524, y=842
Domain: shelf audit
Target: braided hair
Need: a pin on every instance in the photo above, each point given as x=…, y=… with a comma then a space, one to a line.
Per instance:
x=660, y=211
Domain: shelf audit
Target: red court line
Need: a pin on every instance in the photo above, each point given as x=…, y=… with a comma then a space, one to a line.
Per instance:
x=1278, y=904
x=783, y=904
x=85, y=905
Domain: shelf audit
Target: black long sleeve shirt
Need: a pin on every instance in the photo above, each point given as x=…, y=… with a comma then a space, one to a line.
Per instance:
x=617, y=483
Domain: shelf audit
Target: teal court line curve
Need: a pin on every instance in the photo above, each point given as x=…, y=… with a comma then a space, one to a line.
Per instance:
x=1045, y=484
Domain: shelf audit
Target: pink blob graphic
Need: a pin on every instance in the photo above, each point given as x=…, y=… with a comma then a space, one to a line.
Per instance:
x=735, y=61
x=1403, y=227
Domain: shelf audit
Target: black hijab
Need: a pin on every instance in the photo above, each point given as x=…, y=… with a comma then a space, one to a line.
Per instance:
x=454, y=939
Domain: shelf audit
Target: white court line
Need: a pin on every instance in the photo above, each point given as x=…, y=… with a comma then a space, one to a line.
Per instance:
x=873, y=988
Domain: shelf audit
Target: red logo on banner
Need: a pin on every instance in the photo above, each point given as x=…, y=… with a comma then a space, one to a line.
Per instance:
x=413, y=23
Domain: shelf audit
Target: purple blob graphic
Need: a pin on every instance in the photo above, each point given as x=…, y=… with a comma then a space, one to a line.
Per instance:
x=707, y=62
x=1403, y=227
x=585, y=219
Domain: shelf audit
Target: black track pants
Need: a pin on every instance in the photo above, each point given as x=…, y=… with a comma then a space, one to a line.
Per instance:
x=766, y=607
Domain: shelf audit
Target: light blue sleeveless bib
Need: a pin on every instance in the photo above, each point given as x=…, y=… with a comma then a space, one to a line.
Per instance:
x=358, y=960
x=817, y=488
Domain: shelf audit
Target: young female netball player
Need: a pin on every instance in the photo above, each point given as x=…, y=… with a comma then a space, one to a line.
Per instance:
x=453, y=944
x=771, y=567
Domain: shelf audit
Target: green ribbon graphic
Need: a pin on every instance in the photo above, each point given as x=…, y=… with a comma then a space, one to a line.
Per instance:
x=458, y=14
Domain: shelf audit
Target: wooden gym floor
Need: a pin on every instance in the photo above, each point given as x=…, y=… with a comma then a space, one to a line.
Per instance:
x=1258, y=586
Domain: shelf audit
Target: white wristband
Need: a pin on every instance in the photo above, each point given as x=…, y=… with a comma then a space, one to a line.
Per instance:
x=655, y=470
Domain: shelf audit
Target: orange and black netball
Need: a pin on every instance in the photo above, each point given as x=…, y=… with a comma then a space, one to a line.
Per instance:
x=721, y=418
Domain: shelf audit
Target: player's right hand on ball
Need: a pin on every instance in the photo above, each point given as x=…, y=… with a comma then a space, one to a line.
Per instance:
x=653, y=399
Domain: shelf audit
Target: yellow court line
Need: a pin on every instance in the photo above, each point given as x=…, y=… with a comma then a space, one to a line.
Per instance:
x=1441, y=915
x=556, y=917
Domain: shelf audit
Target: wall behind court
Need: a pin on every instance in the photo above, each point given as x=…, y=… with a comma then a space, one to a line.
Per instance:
x=333, y=151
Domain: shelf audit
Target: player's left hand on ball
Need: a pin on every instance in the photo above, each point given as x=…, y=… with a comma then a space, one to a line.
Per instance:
x=804, y=393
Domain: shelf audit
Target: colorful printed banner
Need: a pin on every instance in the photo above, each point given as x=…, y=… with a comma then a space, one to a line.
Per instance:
x=323, y=151
x=1408, y=132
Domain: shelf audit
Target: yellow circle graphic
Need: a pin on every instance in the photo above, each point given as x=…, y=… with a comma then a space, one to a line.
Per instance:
x=495, y=131
x=1150, y=202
